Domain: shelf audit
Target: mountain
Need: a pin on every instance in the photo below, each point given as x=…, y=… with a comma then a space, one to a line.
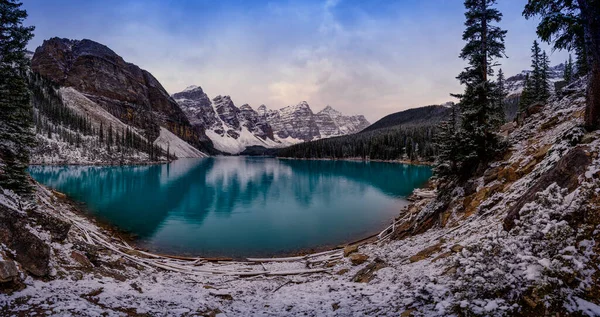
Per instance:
x=428, y=115
x=126, y=91
x=233, y=130
x=516, y=83
x=406, y=135
x=90, y=106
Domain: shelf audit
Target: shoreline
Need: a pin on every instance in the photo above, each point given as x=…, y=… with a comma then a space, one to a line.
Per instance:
x=358, y=159
x=141, y=163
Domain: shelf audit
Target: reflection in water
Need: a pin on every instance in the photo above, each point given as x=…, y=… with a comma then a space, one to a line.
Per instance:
x=241, y=206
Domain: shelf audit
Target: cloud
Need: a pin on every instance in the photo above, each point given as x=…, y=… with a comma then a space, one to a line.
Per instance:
x=372, y=57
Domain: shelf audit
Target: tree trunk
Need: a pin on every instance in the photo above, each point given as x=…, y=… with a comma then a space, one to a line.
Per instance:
x=592, y=109
x=590, y=14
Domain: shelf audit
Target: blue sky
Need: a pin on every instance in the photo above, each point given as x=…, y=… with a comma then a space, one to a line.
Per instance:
x=361, y=57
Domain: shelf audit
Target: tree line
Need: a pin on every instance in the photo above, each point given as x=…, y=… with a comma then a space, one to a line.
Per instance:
x=403, y=142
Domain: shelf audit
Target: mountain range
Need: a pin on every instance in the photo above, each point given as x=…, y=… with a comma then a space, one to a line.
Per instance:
x=232, y=129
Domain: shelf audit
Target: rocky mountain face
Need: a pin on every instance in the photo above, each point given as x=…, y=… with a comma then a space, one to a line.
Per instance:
x=128, y=92
x=516, y=83
x=233, y=129
x=297, y=122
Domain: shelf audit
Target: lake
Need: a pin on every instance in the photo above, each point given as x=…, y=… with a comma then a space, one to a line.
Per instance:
x=240, y=206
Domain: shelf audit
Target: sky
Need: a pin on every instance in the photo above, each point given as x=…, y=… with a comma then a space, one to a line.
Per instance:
x=371, y=57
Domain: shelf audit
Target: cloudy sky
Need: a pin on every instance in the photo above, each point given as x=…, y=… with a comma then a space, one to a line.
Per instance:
x=362, y=57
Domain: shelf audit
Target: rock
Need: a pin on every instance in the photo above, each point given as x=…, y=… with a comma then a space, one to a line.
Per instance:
x=30, y=251
x=425, y=253
x=408, y=313
x=549, y=124
x=342, y=272
x=442, y=256
x=588, y=138
x=358, y=258
x=335, y=306
x=528, y=168
x=350, y=249
x=472, y=202
x=565, y=174
x=81, y=259
x=59, y=229
x=221, y=295
x=508, y=174
x=530, y=302
x=136, y=287
x=457, y=248
x=541, y=152
x=366, y=274
x=8, y=271
x=491, y=175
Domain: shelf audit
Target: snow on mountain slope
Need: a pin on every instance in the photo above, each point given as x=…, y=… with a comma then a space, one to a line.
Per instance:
x=87, y=108
x=232, y=129
x=333, y=123
x=176, y=146
x=52, y=148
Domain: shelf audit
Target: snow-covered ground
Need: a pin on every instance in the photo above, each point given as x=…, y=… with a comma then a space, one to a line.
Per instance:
x=169, y=141
x=466, y=265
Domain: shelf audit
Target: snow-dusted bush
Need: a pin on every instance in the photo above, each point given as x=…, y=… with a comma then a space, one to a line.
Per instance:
x=542, y=261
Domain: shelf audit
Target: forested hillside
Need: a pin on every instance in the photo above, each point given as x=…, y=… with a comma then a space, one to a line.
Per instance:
x=64, y=134
x=406, y=135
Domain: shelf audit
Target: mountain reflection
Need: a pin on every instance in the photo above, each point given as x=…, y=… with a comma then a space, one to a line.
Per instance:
x=188, y=203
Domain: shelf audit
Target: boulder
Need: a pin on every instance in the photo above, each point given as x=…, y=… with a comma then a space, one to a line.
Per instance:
x=30, y=251
x=565, y=174
x=425, y=253
x=350, y=249
x=81, y=259
x=8, y=271
x=358, y=258
x=366, y=274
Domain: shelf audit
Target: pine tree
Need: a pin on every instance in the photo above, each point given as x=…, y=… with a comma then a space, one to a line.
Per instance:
x=481, y=112
x=536, y=77
x=447, y=142
x=501, y=86
x=574, y=24
x=101, y=133
x=545, y=79
x=568, y=73
x=526, y=96
x=16, y=136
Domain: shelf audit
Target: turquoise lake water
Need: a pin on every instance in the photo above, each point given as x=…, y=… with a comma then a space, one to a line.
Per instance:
x=240, y=206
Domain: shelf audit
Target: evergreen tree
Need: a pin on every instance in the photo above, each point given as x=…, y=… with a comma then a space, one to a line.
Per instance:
x=101, y=133
x=16, y=135
x=545, y=79
x=536, y=77
x=568, y=73
x=501, y=86
x=447, y=141
x=526, y=96
x=481, y=113
x=574, y=24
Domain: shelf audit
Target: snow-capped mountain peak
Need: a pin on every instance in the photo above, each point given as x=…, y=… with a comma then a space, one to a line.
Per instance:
x=232, y=129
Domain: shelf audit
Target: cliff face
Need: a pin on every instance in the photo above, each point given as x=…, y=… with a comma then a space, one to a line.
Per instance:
x=233, y=128
x=128, y=92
